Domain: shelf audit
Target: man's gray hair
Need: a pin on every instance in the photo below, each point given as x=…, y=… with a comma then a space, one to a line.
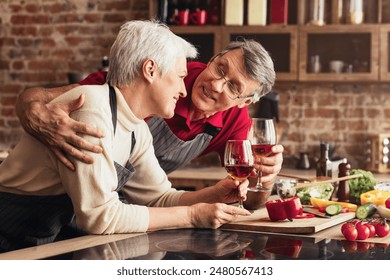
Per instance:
x=258, y=65
x=139, y=40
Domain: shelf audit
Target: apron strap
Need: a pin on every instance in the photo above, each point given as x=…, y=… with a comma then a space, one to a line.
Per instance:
x=114, y=115
x=113, y=106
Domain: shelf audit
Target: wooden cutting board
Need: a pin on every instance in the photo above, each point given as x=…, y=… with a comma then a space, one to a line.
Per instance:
x=259, y=221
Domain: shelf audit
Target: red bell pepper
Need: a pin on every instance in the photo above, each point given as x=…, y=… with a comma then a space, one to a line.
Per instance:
x=284, y=208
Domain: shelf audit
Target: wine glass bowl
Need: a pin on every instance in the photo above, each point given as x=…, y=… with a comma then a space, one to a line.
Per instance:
x=262, y=135
x=239, y=160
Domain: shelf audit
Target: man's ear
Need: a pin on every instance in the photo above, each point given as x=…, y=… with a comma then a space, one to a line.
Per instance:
x=150, y=69
x=246, y=102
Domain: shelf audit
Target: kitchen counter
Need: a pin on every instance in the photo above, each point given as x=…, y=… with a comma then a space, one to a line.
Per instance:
x=199, y=177
x=204, y=244
x=224, y=243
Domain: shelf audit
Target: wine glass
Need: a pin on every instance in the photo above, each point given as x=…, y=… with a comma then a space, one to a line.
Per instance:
x=239, y=160
x=262, y=136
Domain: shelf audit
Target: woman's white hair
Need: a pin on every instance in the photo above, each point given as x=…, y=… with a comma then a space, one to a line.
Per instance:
x=139, y=40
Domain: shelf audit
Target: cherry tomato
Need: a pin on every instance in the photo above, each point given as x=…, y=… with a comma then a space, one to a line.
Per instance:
x=387, y=203
x=382, y=229
x=347, y=225
x=345, y=210
x=350, y=233
x=362, y=231
x=371, y=228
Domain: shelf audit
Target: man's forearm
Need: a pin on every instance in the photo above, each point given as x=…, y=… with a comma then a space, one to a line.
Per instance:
x=43, y=95
x=38, y=94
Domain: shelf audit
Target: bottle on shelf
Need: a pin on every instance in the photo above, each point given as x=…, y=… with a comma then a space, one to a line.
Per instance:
x=214, y=15
x=317, y=12
x=315, y=64
x=324, y=165
x=355, y=14
x=163, y=10
x=104, y=64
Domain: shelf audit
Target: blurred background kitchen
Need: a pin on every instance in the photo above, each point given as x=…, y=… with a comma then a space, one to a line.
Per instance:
x=331, y=57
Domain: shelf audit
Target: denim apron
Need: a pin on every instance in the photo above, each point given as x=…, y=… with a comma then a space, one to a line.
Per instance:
x=173, y=152
x=27, y=220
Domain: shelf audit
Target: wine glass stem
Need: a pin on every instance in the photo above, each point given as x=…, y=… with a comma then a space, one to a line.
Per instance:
x=259, y=183
x=240, y=203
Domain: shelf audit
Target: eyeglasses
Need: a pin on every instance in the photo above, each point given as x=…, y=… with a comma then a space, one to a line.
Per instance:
x=232, y=92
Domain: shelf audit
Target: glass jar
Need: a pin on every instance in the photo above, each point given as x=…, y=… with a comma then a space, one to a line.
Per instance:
x=317, y=12
x=355, y=12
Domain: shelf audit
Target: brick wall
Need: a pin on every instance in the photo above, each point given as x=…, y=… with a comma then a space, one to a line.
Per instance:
x=342, y=114
x=42, y=40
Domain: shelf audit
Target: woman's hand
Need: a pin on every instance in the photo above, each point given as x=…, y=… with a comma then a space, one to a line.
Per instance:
x=228, y=190
x=205, y=215
x=50, y=123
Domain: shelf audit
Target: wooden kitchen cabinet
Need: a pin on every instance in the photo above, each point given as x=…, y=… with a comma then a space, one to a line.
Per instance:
x=207, y=39
x=280, y=41
x=385, y=52
x=356, y=46
x=364, y=48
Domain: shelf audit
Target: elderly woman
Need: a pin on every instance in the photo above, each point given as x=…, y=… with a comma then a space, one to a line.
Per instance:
x=40, y=196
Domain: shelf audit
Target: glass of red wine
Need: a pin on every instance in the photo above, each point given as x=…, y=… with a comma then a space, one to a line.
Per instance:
x=262, y=136
x=239, y=160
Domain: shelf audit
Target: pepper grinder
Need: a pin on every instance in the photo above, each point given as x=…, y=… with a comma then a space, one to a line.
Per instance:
x=343, y=189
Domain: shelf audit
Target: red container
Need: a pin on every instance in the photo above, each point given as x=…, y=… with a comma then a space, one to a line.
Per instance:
x=279, y=11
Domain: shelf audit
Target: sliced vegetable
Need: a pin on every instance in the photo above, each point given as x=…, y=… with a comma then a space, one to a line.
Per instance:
x=383, y=212
x=378, y=197
x=323, y=191
x=304, y=216
x=366, y=210
x=333, y=209
x=318, y=203
x=322, y=209
x=281, y=209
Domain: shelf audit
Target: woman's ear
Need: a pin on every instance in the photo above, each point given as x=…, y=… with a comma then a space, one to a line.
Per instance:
x=150, y=69
x=246, y=102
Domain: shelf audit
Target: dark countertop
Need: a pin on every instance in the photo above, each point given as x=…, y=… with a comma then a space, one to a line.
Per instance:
x=204, y=244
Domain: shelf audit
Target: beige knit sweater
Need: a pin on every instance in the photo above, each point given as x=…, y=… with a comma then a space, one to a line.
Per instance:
x=32, y=169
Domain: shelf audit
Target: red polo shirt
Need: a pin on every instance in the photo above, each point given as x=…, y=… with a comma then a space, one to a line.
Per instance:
x=234, y=122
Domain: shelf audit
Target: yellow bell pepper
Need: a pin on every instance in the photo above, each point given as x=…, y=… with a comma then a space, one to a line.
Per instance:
x=319, y=203
x=378, y=197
